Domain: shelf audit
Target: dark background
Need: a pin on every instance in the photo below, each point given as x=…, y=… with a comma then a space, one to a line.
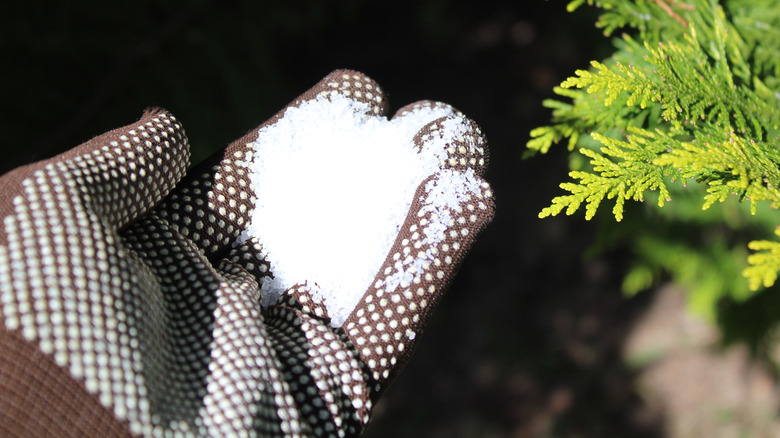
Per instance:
x=527, y=342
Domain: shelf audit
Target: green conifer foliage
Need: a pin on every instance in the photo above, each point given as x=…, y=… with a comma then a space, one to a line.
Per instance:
x=686, y=112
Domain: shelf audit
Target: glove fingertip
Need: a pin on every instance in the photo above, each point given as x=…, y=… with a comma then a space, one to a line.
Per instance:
x=354, y=85
x=436, y=108
x=465, y=146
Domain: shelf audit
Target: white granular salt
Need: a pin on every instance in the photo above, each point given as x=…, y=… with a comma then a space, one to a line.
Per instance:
x=333, y=188
x=443, y=195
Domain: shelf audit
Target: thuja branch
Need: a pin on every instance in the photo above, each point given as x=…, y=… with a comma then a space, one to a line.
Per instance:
x=621, y=171
x=667, y=7
x=694, y=94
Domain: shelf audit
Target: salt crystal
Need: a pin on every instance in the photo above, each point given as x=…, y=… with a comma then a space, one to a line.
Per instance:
x=333, y=188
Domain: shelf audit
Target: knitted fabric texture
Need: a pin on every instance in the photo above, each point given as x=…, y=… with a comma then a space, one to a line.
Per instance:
x=126, y=309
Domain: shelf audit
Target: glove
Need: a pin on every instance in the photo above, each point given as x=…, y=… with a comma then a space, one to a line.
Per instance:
x=137, y=300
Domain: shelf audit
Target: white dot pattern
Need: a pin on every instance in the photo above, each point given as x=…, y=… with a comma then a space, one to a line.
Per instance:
x=124, y=272
x=324, y=374
x=467, y=151
x=67, y=283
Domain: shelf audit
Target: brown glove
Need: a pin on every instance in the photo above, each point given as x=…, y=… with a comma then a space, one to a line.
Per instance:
x=131, y=294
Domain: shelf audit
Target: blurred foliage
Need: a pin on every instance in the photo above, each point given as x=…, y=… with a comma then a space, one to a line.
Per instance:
x=684, y=115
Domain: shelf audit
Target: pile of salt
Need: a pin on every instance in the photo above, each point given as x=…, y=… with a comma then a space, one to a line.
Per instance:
x=333, y=188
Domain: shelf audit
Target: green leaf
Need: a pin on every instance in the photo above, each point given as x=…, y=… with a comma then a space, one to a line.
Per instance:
x=764, y=263
x=620, y=170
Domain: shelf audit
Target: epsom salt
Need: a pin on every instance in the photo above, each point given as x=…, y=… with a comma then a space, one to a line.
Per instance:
x=333, y=188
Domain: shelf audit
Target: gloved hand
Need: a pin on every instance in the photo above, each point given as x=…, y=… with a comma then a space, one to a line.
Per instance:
x=131, y=293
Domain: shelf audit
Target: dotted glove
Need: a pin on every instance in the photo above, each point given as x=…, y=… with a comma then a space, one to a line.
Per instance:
x=139, y=301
